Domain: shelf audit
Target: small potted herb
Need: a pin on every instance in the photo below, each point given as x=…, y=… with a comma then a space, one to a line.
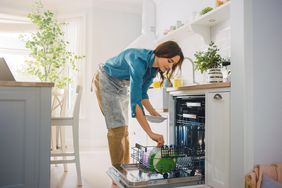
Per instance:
x=206, y=10
x=209, y=61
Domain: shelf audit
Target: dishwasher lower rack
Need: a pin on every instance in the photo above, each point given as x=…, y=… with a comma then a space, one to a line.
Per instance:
x=181, y=160
x=188, y=169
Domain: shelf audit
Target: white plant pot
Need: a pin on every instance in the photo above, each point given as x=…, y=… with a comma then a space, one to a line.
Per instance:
x=215, y=75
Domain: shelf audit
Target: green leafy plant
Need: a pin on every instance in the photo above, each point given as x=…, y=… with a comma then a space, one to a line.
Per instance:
x=206, y=10
x=49, y=58
x=205, y=60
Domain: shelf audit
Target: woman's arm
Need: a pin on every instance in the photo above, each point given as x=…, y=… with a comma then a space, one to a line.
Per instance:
x=146, y=127
x=147, y=104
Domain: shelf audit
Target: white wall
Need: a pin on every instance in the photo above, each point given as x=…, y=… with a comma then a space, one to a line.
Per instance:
x=108, y=33
x=220, y=34
x=169, y=11
x=184, y=11
x=239, y=112
x=108, y=29
x=267, y=77
x=256, y=86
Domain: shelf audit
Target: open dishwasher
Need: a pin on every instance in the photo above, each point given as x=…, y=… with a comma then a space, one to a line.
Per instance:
x=180, y=164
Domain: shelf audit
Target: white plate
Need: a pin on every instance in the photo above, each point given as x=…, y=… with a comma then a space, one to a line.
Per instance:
x=155, y=119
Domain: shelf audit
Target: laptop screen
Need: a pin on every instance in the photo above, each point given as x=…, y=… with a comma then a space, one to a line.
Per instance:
x=5, y=72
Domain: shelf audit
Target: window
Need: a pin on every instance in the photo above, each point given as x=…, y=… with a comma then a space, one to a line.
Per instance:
x=14, y=51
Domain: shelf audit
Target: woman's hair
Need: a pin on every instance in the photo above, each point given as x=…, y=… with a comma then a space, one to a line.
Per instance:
x=169, y=49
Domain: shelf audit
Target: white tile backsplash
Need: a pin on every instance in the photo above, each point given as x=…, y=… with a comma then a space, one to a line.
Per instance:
x=220, y=34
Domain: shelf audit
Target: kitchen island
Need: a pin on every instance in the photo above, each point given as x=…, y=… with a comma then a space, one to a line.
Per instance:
x=25, y=119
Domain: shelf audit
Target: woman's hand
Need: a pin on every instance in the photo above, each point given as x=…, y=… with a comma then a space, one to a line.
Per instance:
x=157, y=138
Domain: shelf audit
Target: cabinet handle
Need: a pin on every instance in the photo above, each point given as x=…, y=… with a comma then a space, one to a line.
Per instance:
x=217, y=97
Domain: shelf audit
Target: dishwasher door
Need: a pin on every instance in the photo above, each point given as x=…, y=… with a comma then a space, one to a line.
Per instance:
x=135, y=175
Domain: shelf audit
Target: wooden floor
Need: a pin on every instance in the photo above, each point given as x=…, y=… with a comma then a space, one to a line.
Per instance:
x=94, y=165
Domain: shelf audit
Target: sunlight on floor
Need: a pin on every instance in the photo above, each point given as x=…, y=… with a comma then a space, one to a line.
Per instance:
x=94, y=165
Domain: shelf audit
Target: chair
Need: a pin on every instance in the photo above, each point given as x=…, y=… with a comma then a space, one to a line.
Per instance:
x=73, y=121
x=58, y=107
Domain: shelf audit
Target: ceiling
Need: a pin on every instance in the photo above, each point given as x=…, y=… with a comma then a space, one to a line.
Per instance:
x=70, y=6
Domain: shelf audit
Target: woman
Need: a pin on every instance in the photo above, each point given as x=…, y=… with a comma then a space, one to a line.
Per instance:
x=136, y=69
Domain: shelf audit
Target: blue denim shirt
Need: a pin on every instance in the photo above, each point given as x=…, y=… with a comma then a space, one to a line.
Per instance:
x=134, y=65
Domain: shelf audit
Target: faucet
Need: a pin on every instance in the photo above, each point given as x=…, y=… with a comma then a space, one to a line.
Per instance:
x=193, y=68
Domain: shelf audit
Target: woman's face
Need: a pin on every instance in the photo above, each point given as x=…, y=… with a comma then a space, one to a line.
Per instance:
x=165, y=64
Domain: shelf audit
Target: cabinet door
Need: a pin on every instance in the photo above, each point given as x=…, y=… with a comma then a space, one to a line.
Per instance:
x=25, y=137
x=160, y=128
x=136, y=133
x=159, y=98
x=217, y=139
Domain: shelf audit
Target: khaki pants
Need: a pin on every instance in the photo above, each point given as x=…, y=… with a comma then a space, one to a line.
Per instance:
x=117, y=137
x=118, y=145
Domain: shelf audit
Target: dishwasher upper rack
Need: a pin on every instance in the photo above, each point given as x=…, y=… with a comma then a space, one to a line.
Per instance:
x=189, y=161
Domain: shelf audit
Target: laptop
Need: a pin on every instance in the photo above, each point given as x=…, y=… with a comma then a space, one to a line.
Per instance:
x=5, y=72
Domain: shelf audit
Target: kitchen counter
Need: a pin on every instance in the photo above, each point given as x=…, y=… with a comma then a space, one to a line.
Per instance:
x=201, y=86
x=25, y=84
x=25, y=114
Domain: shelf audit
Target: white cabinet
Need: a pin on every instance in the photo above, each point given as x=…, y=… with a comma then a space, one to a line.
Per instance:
x=217, y=139
x=138, y=135
x=25, y=119
x=160, y=128
x=159, y=99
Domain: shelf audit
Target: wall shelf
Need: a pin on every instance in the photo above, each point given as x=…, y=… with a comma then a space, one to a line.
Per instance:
x=214, y=17
x=177, y=34
x=202, y=24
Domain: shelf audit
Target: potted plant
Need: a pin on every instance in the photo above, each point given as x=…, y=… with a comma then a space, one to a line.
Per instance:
x=49, y=58
x=205, y=10
x=209, y=61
